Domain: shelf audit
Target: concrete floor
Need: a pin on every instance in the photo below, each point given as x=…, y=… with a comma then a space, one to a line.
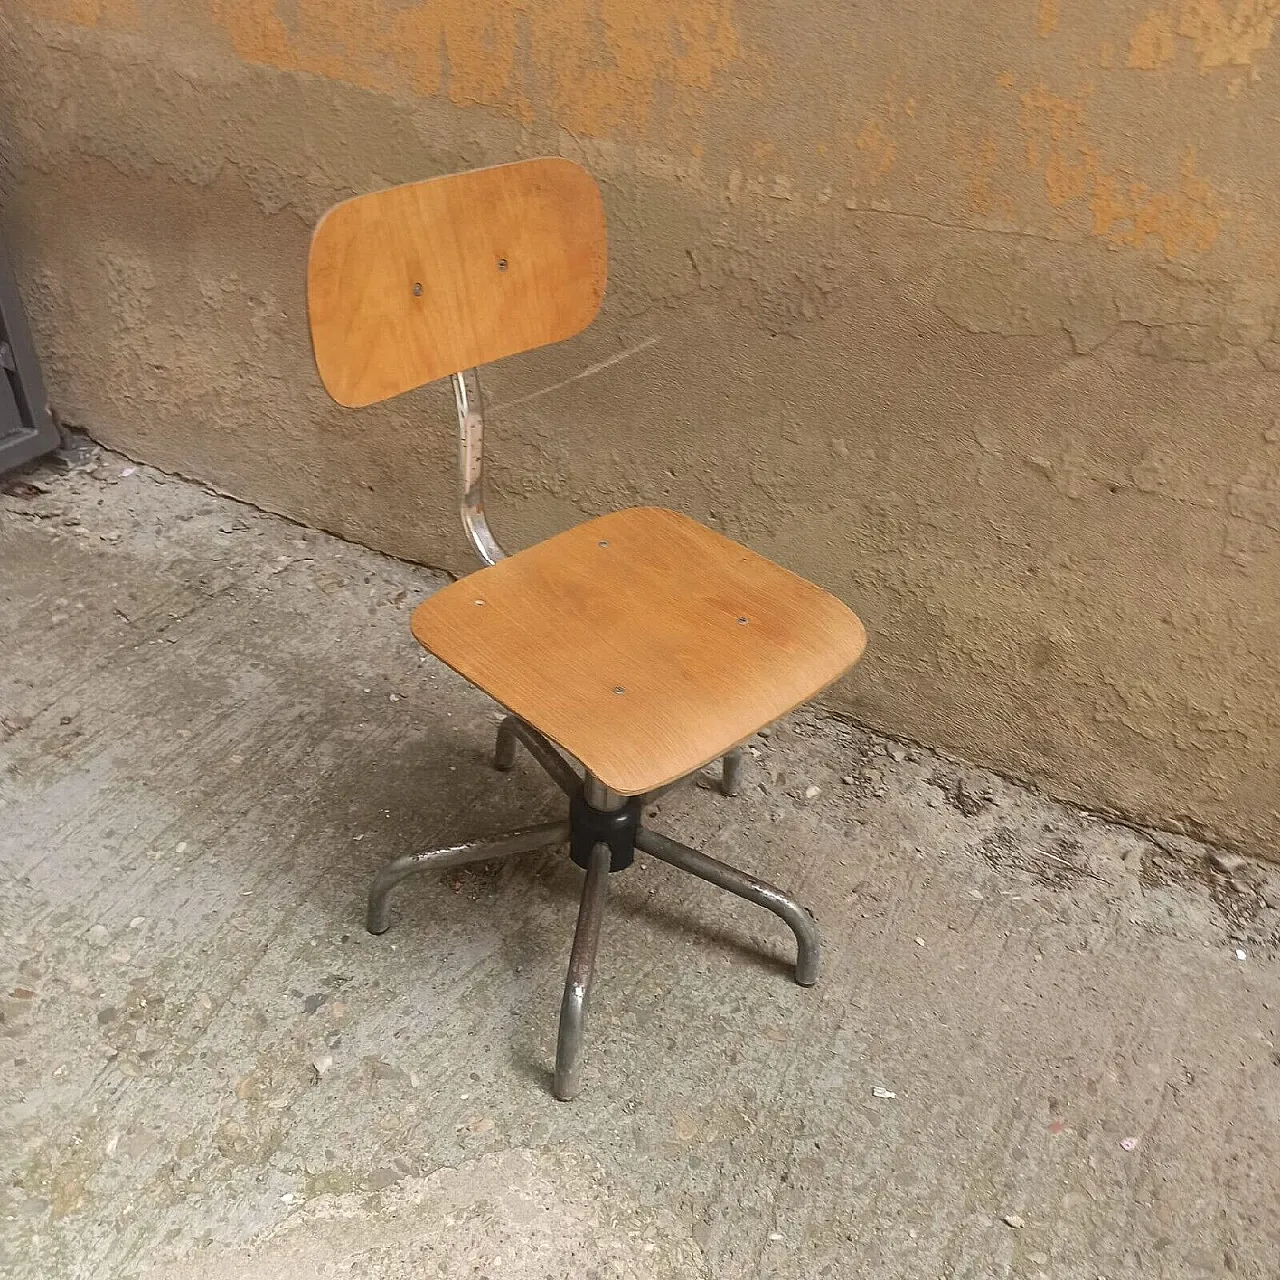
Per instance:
x=214, y=725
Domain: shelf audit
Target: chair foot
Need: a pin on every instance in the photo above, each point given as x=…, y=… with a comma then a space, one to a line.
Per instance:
x=504, y=747
x=577, y=985
x=513, y=730
x=731, y=771
x=808, y=940
x=377, y=917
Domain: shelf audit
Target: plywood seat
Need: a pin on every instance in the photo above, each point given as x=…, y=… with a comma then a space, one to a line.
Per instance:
x=642, y=643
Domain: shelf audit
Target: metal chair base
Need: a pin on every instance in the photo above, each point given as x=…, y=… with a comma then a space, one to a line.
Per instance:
x=586, y=940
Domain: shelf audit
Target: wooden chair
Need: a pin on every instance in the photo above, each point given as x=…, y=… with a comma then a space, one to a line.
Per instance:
x=640, y=645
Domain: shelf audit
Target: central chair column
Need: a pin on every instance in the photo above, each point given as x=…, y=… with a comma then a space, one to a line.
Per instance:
x=603, y=826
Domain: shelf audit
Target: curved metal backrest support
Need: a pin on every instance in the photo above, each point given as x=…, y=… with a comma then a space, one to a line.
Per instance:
x=470, y=402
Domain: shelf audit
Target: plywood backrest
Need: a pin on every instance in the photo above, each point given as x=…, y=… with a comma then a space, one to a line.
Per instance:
x=420, y=281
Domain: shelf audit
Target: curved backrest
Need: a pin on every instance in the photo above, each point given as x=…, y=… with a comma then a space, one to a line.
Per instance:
x=420, y=281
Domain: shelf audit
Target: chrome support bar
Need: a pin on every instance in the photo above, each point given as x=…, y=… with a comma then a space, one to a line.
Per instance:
x=470, y=403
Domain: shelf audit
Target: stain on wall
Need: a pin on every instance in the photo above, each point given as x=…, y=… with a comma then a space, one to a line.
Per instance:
x=1151, y=44
x=595, y=65
x=1183, y=220
x=1227, y=34
x=970, y=315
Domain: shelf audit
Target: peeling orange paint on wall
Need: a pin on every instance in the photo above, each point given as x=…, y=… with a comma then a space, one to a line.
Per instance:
x=1222, y=33
x=1110, y=204
x=1152, y=43
x=1228, y=36
x=1184, y=220
x=597, y=65
x=877, y=148
x=603, y=68
x=978, y=156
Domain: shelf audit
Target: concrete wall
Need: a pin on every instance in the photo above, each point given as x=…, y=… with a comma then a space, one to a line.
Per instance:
x=965, y=311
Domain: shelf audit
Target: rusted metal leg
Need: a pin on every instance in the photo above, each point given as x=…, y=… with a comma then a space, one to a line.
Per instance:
x=377, y=917
x=577, y=985
x=731, y=771
x=808, y=941
x=504, y=749
x=513, y=730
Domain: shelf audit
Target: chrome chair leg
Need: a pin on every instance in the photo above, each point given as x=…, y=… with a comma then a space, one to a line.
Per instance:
x=513, y=730
x=808, y=941
x=731, y=771
x=504, y=747
x=577, y=985
x=377, y=917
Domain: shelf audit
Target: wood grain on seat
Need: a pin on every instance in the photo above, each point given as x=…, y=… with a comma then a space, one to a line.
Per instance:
x=424, y=280
x=643, y=643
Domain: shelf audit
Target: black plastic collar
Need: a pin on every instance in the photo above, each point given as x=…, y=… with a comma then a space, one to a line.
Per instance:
x=616, y=828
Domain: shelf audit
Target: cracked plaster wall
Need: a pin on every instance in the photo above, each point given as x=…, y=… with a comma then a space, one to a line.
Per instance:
x=970, y=314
